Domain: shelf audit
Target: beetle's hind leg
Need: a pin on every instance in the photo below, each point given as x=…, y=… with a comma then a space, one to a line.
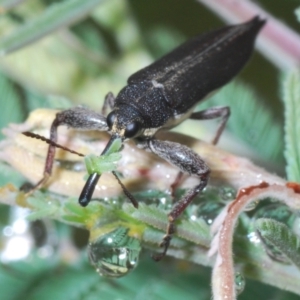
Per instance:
x=222, y=112
x=188, y=162
x=78, y=118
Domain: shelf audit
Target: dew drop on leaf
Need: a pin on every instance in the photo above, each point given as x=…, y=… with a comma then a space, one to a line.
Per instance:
x=114, y=254
x=240, y=283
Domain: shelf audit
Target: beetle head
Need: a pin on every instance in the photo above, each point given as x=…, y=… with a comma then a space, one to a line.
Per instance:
x=125, y=122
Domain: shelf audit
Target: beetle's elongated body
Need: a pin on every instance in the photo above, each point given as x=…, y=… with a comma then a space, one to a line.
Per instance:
x=172, y=85
x=161, y=96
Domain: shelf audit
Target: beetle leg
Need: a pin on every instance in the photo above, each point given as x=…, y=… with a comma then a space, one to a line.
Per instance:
x=188, y=162
x=212, y=113
x=109, y=102
x=126, y=192
x=176, y=183
x=79, y=118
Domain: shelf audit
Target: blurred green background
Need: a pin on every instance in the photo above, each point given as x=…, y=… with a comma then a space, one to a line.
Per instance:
x=81, y=64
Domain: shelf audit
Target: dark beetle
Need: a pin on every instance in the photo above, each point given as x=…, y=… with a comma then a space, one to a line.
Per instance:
x=161, y=96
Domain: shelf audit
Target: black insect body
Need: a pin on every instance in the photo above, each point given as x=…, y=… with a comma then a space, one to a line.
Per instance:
x=161, y=96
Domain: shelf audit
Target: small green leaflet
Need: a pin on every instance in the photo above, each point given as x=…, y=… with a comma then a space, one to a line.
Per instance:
x=104, y=163
x=280, y=236
x=291, y=99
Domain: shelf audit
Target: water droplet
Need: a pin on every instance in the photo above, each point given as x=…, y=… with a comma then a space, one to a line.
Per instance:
x=209, y=203
x=193, y=217
x=114, y=254
x=16, y=248
x=251, y=206
x=253, y=237
x=227, y=193
x=7, y=231
x=20, y=226
x=154, y=197
x=206, y=210
x=239, y=283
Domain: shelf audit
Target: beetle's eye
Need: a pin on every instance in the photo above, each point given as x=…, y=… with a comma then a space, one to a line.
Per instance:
x=110, y=119
x=132, y=129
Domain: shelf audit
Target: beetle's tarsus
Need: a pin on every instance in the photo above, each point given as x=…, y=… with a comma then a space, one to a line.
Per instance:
x=164, y=244
x=38, y=185
x=165, y=241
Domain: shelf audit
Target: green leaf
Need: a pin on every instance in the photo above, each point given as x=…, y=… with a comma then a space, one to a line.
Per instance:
x=291, y=98
x=8, y=174
x=114, y=147
x=10, y=103
x=68, y=284
x=101, y=164
x=43, y=206
x=195, y=231
x=41, y=214
x=297, y=13
x=35, y=101
x=8, y=4
x=74, y=208
x=150, y=281
x=21, y=277
x=280, y=236
x=59, y=15
x=149, y=214
x=80, y=220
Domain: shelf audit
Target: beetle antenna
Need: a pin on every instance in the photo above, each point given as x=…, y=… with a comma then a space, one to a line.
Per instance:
x=48, y=141
x=126, y=192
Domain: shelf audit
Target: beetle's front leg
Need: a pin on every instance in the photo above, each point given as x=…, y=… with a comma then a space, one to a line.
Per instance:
x=79, y=118
x=188, y=162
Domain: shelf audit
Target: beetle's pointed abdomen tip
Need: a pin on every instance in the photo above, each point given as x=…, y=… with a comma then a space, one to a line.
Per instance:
x=258, y=21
